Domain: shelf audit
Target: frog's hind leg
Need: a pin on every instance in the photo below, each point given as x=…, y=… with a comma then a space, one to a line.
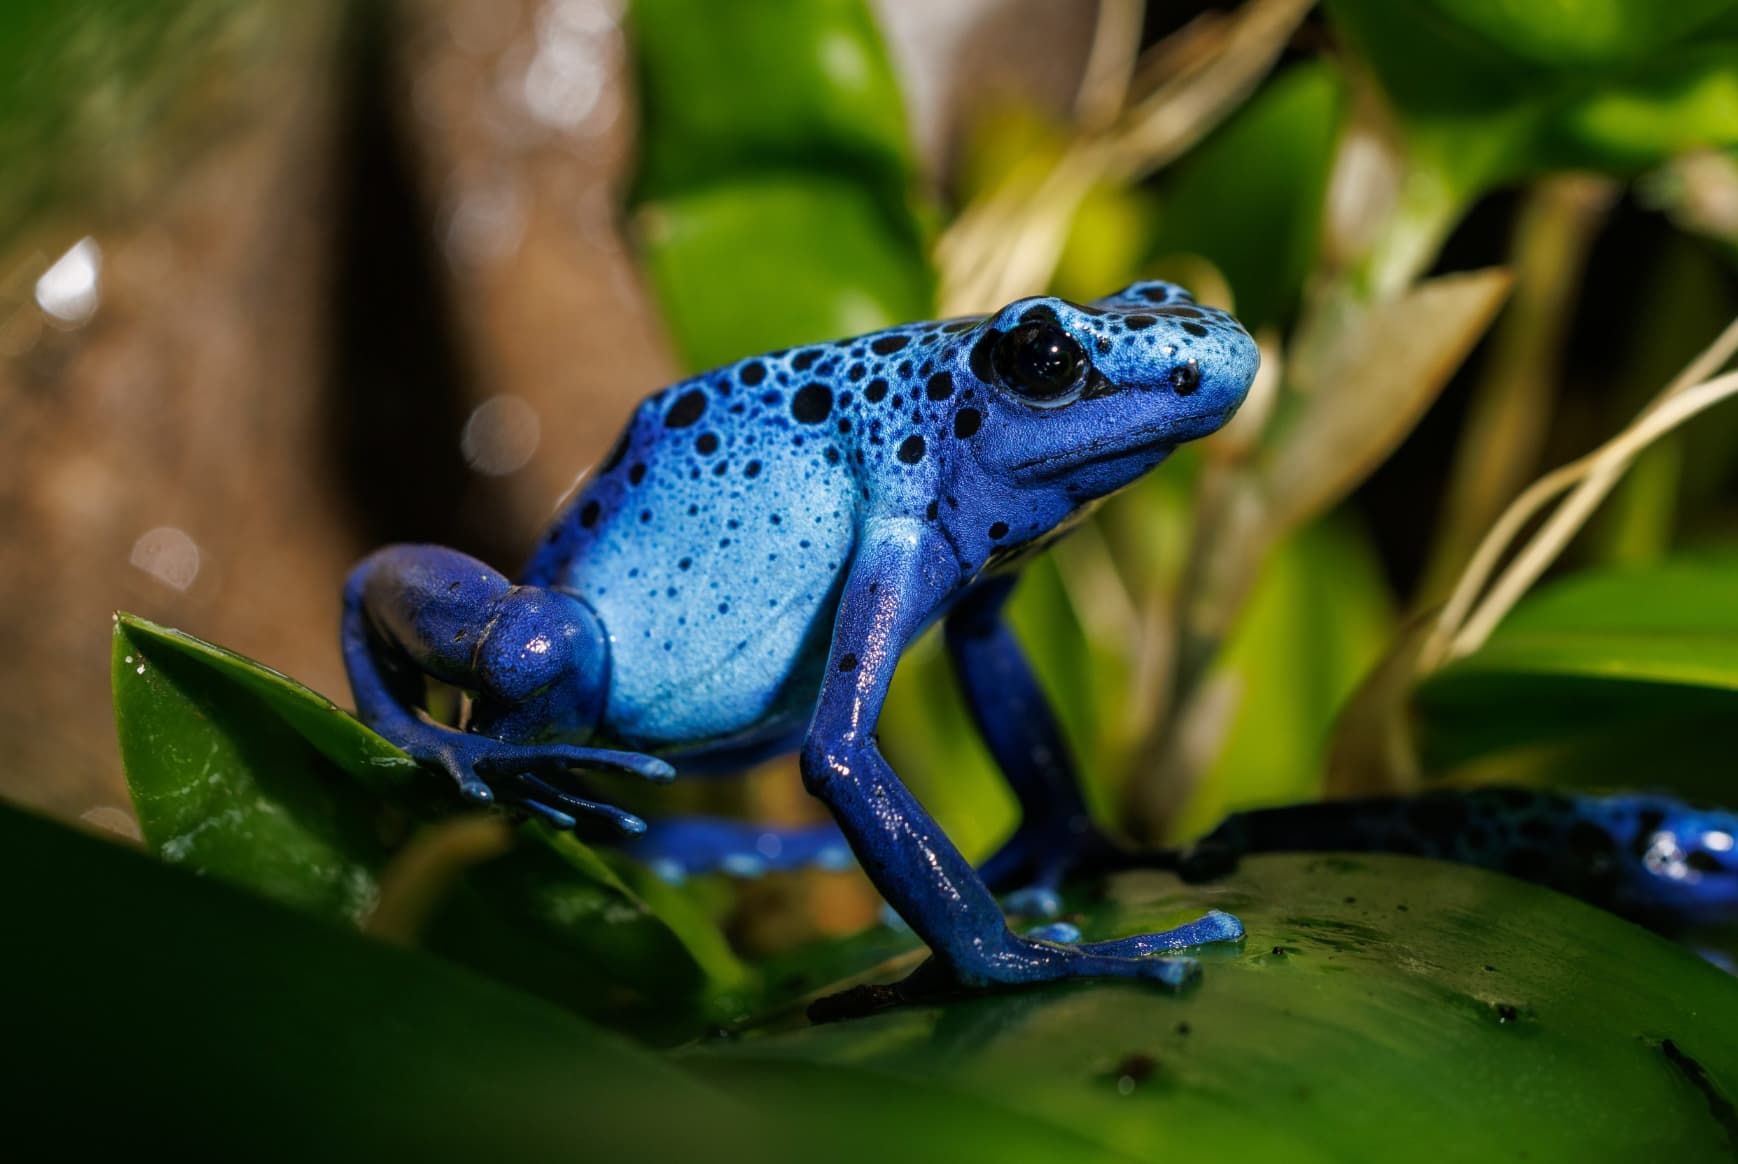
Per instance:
x=535, y=659
x=680, y=847
x=1056, y=835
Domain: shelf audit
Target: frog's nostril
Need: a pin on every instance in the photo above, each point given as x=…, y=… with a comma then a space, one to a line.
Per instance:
x=1185, y=378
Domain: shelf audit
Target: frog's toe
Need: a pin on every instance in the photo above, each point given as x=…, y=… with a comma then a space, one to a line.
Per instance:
x=1214, y=926
x=1033, y=901
x=555, y=806
x=553, y=817
x=1066, y=933
x=504, y=758
x=1042, y=956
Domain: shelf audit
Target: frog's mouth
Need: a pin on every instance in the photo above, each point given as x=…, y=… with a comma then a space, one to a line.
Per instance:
x=1127, y=443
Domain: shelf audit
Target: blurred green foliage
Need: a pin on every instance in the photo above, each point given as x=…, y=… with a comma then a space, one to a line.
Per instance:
x=1615, y=678
x=1249, y=199
x=778, y=212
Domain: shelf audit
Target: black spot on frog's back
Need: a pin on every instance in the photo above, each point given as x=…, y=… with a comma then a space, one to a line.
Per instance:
x=689, y=407
x=812, y=404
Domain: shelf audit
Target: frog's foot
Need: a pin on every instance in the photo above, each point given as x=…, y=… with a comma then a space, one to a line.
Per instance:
x=1054, y=953
x=536, y=778
x=1028, y=870
x=1039, y=958
x=680, y=847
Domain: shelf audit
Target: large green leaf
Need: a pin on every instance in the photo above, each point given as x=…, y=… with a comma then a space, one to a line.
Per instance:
x=1567, y=34
x=1612, y=677
x=207, y=1025
x=777, y=260
x=1382, y=1008
x=732, y=90
x=777, y=212
x=1493, y=91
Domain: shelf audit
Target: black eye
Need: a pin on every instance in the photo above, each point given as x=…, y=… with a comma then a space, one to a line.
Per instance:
x=1186, y=377
x=1040, y=363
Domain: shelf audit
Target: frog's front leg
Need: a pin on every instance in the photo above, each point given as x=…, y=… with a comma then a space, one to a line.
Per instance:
x=1056, y=834
x=902, y=573
x=536, y=660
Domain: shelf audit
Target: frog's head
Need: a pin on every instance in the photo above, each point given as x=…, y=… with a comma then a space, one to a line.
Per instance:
x=1090, y=397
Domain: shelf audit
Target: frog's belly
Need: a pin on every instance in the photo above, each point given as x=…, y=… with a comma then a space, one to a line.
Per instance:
x=675, y=684
x=718, y=650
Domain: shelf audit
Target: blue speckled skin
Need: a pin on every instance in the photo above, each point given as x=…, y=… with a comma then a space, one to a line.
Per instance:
x=1654, y=859
x=740, y=577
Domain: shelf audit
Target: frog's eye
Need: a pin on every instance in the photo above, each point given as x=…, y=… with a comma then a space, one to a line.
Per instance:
x=1041, y=364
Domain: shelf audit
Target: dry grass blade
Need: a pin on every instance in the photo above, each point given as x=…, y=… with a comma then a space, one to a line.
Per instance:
x=1461, y=629
x=1594, y=476
x=1116, y=44
x=1008, y=243
x=1190, y=102
x=1510, y=413
x=1366, y=391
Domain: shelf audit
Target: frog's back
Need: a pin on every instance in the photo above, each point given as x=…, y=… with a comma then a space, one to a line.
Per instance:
x=712, y=542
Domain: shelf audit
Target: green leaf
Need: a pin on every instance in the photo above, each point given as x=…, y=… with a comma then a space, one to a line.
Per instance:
x=777, y=260
x=1378, y=1004
x=1684, y=101
x=242, y=774
x=219, y=1027
x=604, y=938
x=778, y=212
x=1493, y=91
x=239, y=772
x=1577, y=34
x=1619, y=677
x=823, y=97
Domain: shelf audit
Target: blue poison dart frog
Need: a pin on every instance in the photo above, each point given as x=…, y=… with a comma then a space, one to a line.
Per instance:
x=1653, y=859
x=741, y=573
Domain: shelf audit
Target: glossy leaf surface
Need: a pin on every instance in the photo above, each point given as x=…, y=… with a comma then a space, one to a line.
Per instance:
x=241, y=773
x=1377, y=1003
